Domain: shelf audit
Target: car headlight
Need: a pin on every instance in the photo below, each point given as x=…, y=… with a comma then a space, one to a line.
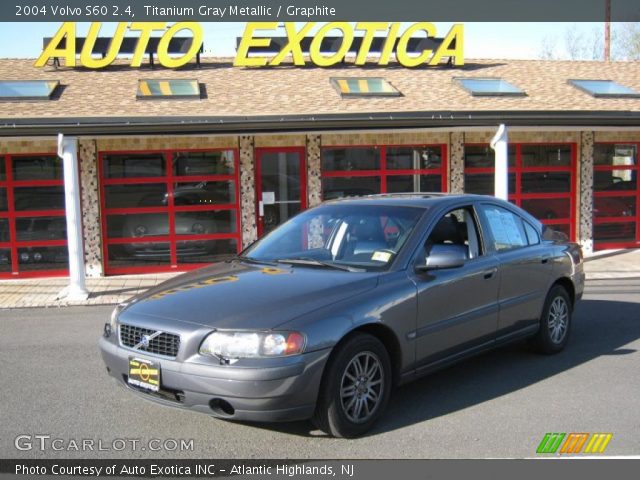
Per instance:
x=116, y=312
x=252, y=344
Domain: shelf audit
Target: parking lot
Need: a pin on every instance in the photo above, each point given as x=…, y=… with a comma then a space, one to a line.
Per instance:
x=497, y=405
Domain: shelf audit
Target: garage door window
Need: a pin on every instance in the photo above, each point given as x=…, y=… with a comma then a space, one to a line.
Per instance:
x=33, y=239
x=169, y=209
x=541, y=180
x=364, y=170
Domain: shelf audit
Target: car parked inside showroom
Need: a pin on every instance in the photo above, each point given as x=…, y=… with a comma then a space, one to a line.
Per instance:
x=325, y=315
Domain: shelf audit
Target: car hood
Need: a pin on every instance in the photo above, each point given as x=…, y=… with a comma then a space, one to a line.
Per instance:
x=246, y=296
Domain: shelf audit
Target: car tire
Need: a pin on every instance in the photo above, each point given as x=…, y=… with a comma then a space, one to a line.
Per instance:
x=350, y=403
x=555, y=322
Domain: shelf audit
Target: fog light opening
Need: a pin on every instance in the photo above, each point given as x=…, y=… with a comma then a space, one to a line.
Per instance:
x=221, y=407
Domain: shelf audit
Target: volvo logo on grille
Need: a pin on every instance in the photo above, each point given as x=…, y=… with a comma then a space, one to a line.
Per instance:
x=144, y=341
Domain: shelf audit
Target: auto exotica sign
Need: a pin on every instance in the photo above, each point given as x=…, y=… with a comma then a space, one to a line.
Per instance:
x=63, y=44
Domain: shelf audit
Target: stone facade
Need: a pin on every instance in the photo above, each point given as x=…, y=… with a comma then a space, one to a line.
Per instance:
x=456, y=162
x=90, y=206
x=247, y=191
x=585, y=208
x=314, y=181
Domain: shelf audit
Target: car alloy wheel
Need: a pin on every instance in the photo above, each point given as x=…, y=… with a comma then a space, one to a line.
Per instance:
x=558, y=320
x=361, y=387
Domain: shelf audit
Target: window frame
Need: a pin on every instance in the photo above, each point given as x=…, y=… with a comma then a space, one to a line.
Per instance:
x=195, y=96
x=475, y=93
x=383, y=173
x=517, y=197
x=12, y=215
x=169, y=180
x=574, y=84
x=18, y=98
x=335, y=83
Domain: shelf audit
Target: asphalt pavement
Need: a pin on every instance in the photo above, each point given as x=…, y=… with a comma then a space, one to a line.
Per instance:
x=501, y=404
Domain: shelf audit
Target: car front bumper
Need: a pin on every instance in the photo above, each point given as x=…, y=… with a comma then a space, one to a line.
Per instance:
x=275, y=393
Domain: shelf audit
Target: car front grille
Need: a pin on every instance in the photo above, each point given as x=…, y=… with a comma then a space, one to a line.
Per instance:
x=166, y=344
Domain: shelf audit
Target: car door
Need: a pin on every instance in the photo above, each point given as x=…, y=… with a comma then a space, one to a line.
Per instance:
x=457, y=307
x=525, y=268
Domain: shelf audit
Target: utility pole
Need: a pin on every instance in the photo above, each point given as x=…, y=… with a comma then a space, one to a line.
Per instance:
x=607, y=31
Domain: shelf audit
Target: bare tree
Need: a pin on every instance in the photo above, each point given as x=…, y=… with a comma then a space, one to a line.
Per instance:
x=626, y=43
x=547, y=48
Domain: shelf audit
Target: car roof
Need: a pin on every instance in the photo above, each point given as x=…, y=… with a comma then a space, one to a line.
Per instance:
x=423, y=200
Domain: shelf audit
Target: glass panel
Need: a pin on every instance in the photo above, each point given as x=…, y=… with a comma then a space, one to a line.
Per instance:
x=4, y=230
x=414, y=183
x=205, y=223
x=479, y=156
x=139, y=254
x=615, y=232
x=138, y=225
x=131, y=196
x=604, y=88
x=206, y=251
x=3, y=200
x=364, y=87
x=484, y=183
x=532, y=234
x=278, y=213
x=489, y=87
x=39, y=198
x=5, y=260
x=204, y=163
x=615, y=180
x=563, y=228
x=414, y=158
x=134, y=165
x=614, y=206
x=614, y=155
x=27, y=89
x=546, y=155
x=346, y=159
x=548, y=207
x=43, y=258
x=41, y=228
x=3, y=171
x=280, y=175
x=338, y=187
x=204, y=193
x=37, y=168
x=546, y=182
x=168, y=88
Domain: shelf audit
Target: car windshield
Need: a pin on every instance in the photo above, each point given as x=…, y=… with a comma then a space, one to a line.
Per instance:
x=356, y=237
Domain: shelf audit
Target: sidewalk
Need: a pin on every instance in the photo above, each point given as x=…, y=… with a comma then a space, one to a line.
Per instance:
x=44, y=292
x=609, y=264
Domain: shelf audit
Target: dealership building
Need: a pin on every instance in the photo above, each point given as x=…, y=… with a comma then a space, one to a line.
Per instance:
x=181, y=167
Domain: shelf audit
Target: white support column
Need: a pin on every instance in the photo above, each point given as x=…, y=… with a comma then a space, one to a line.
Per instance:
x=68, y=151
x=500, y=144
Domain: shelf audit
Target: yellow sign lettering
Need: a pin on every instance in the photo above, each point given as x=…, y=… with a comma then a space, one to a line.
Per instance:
x=67, y=32
x=163, y=46
x=248, y=41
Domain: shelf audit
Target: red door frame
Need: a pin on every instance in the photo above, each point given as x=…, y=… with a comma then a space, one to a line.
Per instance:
x=12, y=215
x=170, y=209
x=517, y=197
x=619, y=194
x=383, y=172
x=301, y=151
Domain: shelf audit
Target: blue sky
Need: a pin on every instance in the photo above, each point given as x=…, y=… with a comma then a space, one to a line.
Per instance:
x=482, y=40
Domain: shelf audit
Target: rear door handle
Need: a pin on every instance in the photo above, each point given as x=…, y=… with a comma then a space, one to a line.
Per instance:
x=545, y=259
x=490, y=273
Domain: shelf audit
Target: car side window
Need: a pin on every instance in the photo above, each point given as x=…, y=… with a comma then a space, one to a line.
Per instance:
x=506, y=228
x=457, y=227
x=532, y=234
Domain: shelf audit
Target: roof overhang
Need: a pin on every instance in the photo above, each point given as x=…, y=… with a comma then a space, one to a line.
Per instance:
x=297, y=123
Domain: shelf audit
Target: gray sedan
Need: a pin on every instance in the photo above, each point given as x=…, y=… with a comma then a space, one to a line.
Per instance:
x=326, y=314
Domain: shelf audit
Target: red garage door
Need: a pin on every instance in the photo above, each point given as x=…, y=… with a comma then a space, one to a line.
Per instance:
x=168, y=210
x=542, y=180
x=32, y=222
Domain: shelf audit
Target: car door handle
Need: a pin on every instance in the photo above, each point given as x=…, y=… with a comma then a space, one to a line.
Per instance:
x=490, y=273
x=545, y=259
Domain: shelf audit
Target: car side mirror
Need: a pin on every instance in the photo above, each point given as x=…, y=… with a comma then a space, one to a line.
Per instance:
x=444, y=256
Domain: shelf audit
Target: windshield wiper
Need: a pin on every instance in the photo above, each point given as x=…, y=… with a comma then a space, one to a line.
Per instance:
x=318, y=263
x=242, y=258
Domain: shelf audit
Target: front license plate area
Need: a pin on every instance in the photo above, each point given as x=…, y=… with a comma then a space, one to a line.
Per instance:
x=144, y=374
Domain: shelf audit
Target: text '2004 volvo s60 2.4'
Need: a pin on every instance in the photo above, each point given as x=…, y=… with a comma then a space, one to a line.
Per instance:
x=326, y=314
